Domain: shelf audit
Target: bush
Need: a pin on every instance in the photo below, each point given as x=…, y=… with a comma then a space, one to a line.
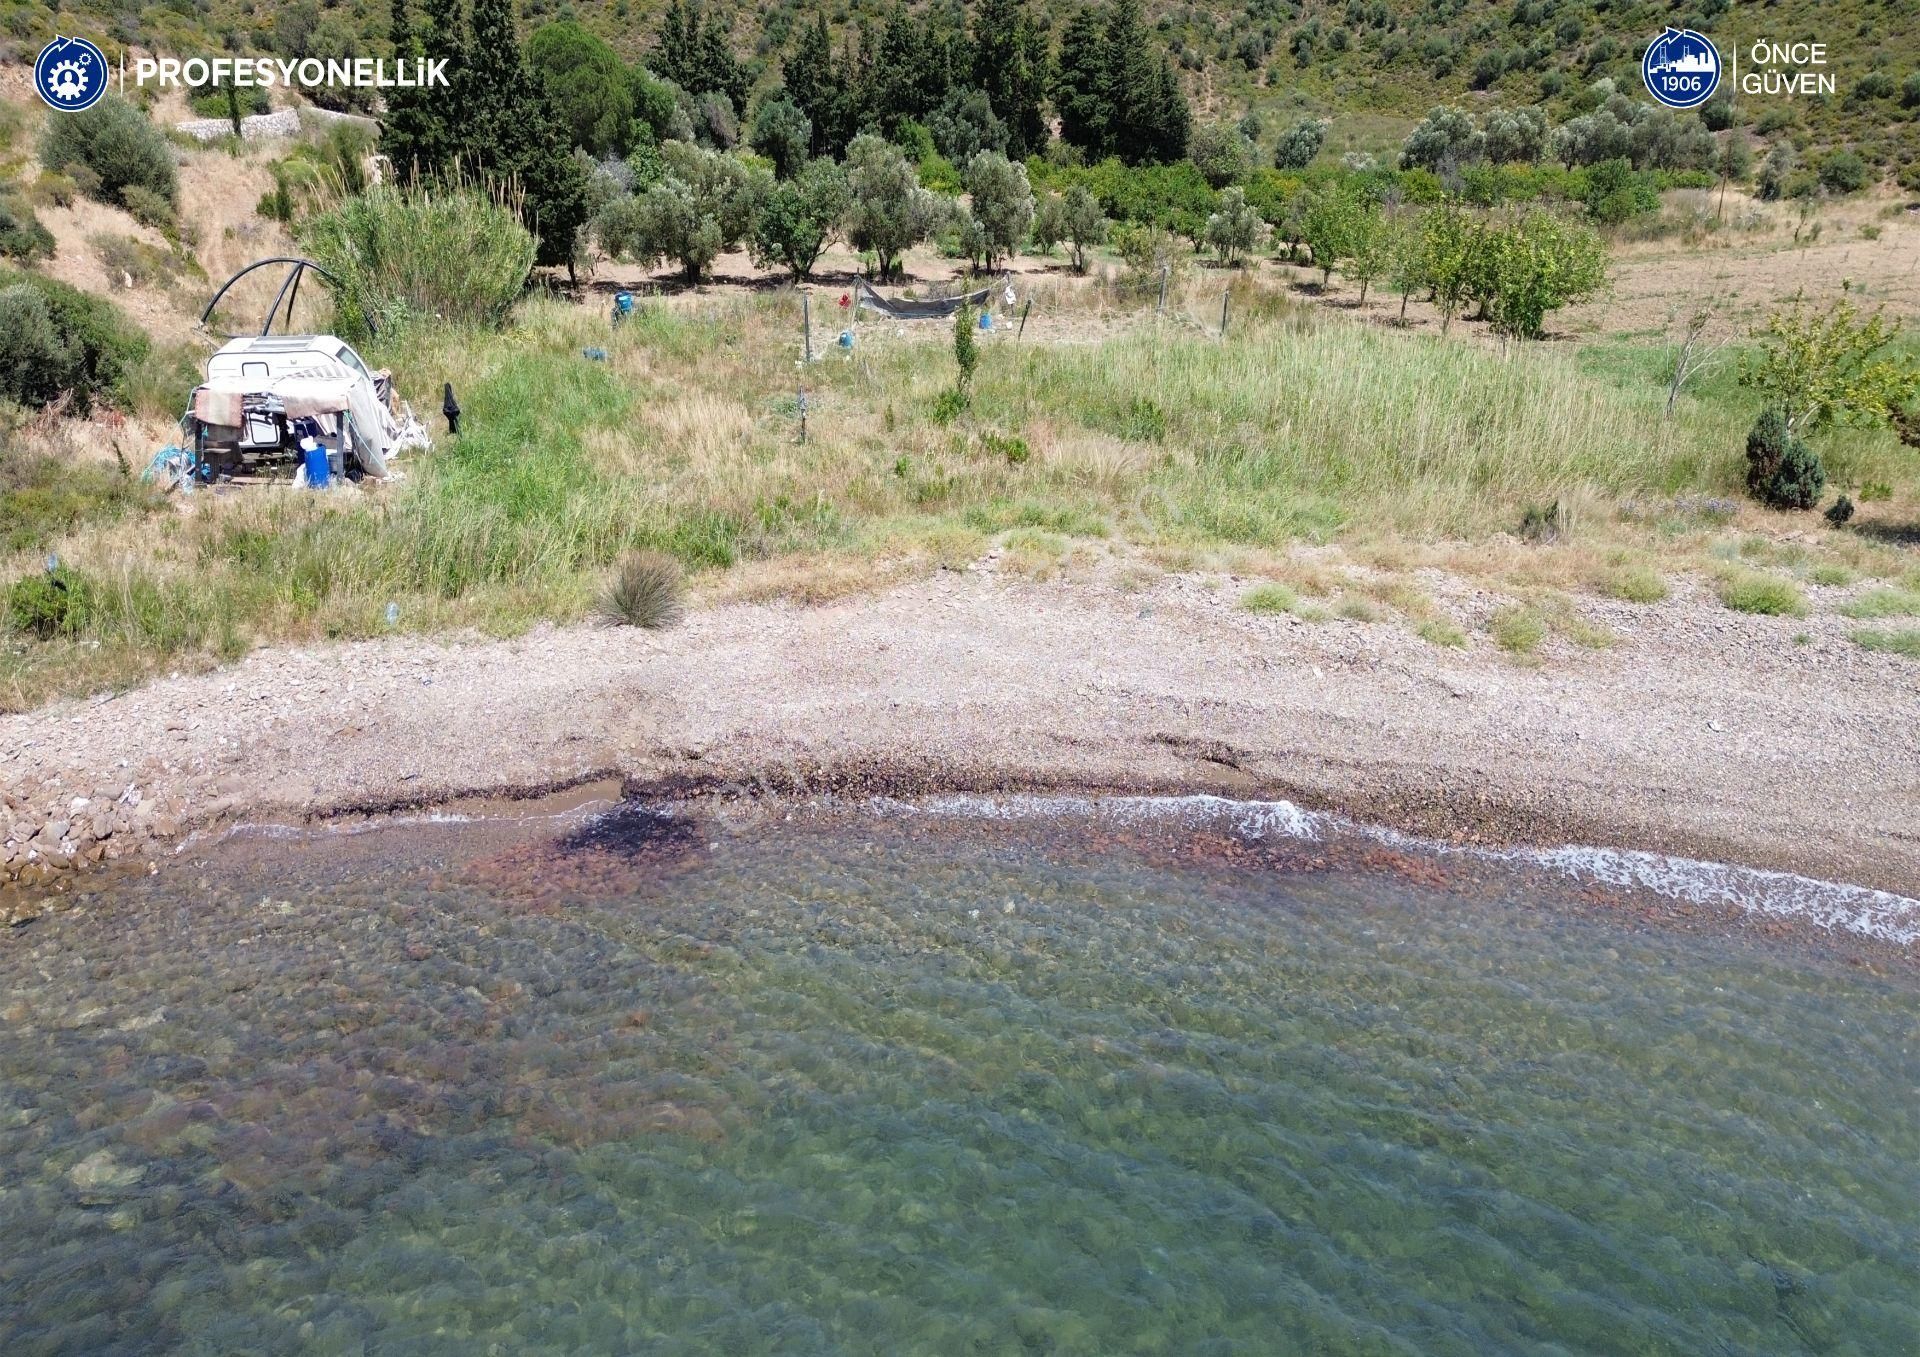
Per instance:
x=1843, y=172
x=1299, y=144
x=116, y=145
x=1840, y=512
x=1782, y=471
x=1269, y=598
x=54, y=189
x=21, y=234
x=1750, y=591
x=148, y=208
x=50, y=603
x=1518, y=631
x=447, y=254
x=56, y=340
x=645, y=592
x=1636, y=584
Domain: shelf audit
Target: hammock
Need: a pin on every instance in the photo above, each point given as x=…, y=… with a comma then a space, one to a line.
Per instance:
x=930, y=309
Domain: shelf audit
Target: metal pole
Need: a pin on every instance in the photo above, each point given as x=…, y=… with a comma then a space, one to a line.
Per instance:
x=1023, y=318
x=806, y=322
x=1223, y=313
x=803, y=414
x=1160, y=309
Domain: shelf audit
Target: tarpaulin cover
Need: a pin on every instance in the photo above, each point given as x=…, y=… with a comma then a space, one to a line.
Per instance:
x=928, y=309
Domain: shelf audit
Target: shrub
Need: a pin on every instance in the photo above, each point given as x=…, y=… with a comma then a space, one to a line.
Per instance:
x=129, y=263
x=1750, y=591
x=1843, y=171
x=448, y=254
x=1548, y=523
x=148, y=208
x=55, y=340
x=116, y=145
x=1518, y=631
x=21, y=234
x=1782, y=471
x=50, y=603
x=1269, y=598
x=1840, y=512
x=1010, y=446
x=1636, y=584
x=1299, y=144
x=966, y=349
x=54, y=189
x=949, y=405
x=645, y=592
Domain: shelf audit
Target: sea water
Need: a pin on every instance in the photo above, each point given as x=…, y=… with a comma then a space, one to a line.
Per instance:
x=931, y=1080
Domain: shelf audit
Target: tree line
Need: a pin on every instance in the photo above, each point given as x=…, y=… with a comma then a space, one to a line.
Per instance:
x=929, y=82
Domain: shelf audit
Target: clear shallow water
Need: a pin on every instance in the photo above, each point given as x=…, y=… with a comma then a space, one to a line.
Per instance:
x=915, y=1085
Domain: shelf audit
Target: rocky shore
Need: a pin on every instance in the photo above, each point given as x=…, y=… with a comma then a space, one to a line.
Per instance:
x=1700, y=732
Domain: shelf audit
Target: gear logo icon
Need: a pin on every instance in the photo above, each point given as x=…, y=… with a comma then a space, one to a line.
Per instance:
x=70, y=74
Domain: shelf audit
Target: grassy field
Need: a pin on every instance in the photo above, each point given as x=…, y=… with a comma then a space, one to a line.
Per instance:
x=1157, y=440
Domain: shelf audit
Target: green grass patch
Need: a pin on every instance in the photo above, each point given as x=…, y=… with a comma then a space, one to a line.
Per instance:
x=1518, y=630
x=1751, y=591
x=1883, y=603
x=1635, y=584
x=1440, y=632
x=1270, y=598
x=1905, y=642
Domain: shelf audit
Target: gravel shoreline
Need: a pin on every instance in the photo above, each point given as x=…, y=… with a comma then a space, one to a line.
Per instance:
x=1702, y=733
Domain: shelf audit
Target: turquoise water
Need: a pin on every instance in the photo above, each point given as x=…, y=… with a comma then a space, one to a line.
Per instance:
x=851, y=1084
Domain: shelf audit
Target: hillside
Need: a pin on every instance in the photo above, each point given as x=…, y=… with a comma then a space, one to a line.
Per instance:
x=1372, y=66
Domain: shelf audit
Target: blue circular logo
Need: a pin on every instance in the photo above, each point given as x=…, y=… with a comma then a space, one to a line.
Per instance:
x=71, y=74
x=1681, y=68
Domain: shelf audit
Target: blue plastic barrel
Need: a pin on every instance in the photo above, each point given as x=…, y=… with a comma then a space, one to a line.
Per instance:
x=986, y=320
x=317, y=469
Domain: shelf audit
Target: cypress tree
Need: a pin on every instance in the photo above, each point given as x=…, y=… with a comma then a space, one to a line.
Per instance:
x=418, y=135
x=715, y=68
x=512, y=131
x=674, y=59
x=1131, y=84
x=807, y=72
x=1080, y=83
x=1170, y=123
x=1009, y=62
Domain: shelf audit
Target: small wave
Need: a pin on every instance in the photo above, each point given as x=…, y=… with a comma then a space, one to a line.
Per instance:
x=1872, y=913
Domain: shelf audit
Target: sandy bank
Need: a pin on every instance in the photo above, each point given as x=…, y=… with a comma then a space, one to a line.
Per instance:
x=1704, y=732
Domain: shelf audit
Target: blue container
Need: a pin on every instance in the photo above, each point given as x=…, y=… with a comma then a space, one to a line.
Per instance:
x=986, y=320
x=623, y=302
x=317, y=468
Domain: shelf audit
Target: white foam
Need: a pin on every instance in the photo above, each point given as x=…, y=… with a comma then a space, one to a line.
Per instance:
x=1827, y=904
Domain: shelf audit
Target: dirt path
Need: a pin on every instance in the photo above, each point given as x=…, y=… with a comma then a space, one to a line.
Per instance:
x=1704, y=732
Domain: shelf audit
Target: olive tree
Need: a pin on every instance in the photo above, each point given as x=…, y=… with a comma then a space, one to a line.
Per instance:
x=1235, y=228
x=798, y=216
x=781, y=133
x=1299, y=144
x=1082, y=224
x=1002, y=203
x=887, y=211
x=704, y=203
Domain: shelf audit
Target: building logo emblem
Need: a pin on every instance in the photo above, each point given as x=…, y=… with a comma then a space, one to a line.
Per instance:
x=1681, y=68
x=71, y=74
